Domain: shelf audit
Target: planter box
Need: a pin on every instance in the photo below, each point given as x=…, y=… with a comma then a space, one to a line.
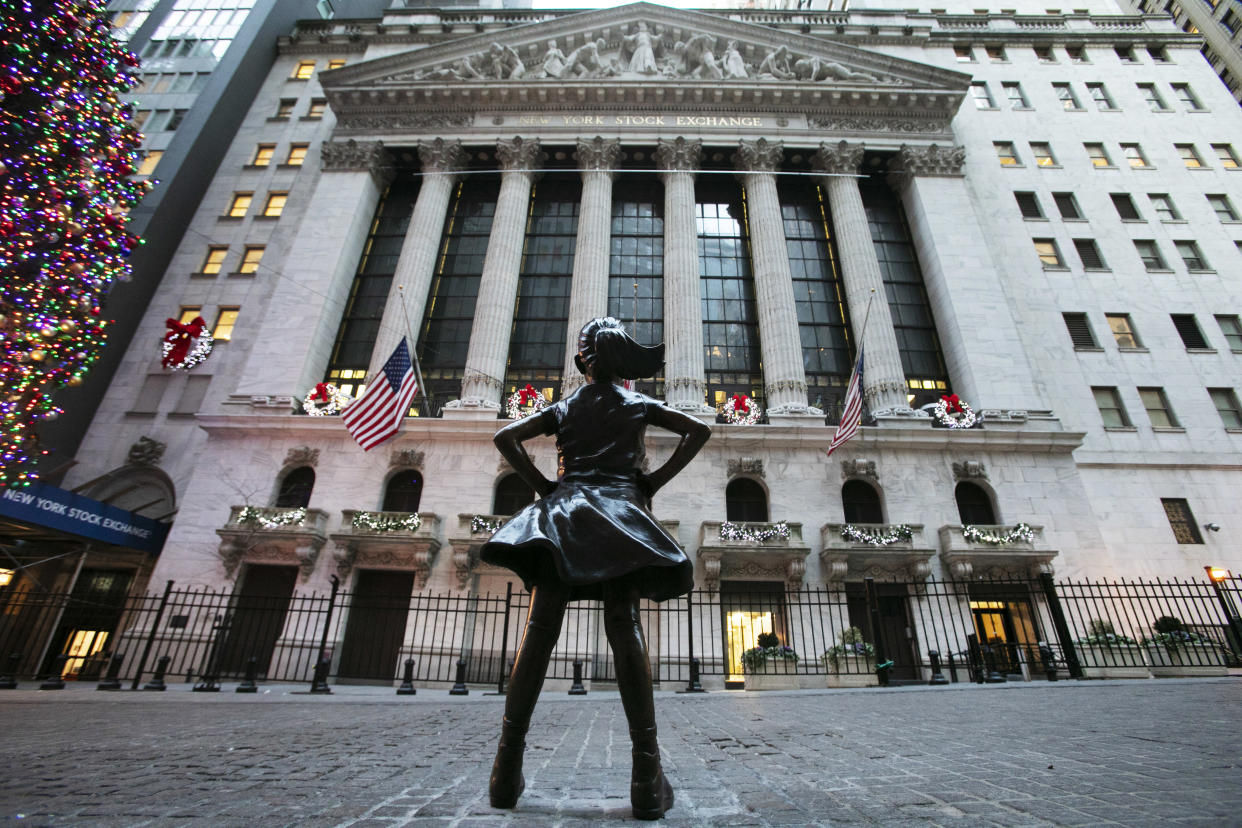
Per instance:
x=853, y=671
x=1186, y=661
x=773, y=680
x=1117, y=661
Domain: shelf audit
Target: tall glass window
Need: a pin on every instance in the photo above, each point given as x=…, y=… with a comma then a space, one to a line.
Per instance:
x=445, y=335
x=351, y=354
x=537, y=344
x=636, y=262
x=727, y=292
x=819, y=295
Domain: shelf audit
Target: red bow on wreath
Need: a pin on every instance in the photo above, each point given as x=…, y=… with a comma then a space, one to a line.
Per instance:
x=952, y=404
x=321, y=392
x=528, y=393
x=741, y=403
x=179, y=337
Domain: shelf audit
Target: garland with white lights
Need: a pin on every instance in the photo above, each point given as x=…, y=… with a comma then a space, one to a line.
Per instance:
x=255, y=515
x=749, y=534
x=325, y=399
x=741, y=410
x=378, y=522
x=480, y=525
x=524, y=402
x=1021, y=532
x=875, y=537
x=947, y=407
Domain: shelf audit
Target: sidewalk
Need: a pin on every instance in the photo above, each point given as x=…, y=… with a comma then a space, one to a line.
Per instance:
x=1136, y=753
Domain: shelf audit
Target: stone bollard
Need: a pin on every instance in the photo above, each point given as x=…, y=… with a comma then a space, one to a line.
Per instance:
x=319, y=683
x=56, y=680
x=407, y=680
x=112, y=680
x=8, y=681
x=247, y=683
x=693, y=685
x=991, y=676
x=459, y=687
x=157, y=680
x=937, y=677
x=576, y=689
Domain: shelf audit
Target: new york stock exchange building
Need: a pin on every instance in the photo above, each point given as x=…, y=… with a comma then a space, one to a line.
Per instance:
x=988, y=206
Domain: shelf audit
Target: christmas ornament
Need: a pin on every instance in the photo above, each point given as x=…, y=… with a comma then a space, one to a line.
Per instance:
x=742, y=410
x=524, y=402
x=953, y=412
x=186, y=345
x=325, y=399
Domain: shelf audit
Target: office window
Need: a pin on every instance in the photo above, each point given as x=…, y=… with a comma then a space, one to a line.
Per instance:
x=1158, y=54
x=303, y=71
x=1181, y=520
x=1043, y=154
x=1112, y=412
x=174, y=120
x=1067, y=205
x=1231, y=327
x=297, y=155
x=1225, y=154
x=1149, y=94
x=263, y=155
x=1099, y=94
x=1134, y=154
x=1189, y=155
x=1126, y=54
x=251, y=258
x=1044, y=54
x=1222, y=207
x=189, y=313
x=316, y=108
x=139, y=118
x=996, y=54
x=1226, y=402
x=1191, y=255
x=1184, y=94
x=1098, y=155
x=1149, y=252
x=336, y=63
x=1125, y=207
x=982, y=97
x=1077, y=54
x=1230, y=22
x=1158, y=410
x=1065, y=94
x=225, y=322
x=149, y=160
x=964, y=54
x=162, y=84
x=1080, y=331
x=1089, y=254
x=1188, y=329
x=275, y=204
x=214, y=260
x=1048, y=253
x=284, y=109
x=1007, y=154
x=1164, y=207
x=1028, y=205
x=183, y=82
x=240, y=204
x=1123, y=331
x=1013, y=91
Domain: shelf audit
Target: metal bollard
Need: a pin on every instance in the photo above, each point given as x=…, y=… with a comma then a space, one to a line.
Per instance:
x=8, y=681
x=1049, y=660
x=157, y=680
x=208, y=683
x=576, y=689
x=693, y=685
x=319, y=683
x=882, y=670
x=937, y=677
x=56, y=680
x=459, y=687
x=112, y=681
x=407, y=680
x=991, y=676
x=247, y=684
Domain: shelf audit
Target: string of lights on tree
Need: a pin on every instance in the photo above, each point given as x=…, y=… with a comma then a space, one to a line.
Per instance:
x=67, y=147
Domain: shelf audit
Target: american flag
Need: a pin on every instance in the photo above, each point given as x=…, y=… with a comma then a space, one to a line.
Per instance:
x=377, y=414
x=851, y=413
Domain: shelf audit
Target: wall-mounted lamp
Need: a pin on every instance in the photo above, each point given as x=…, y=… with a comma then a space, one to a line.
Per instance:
x=1212, y=527
x=1218, y=573
x=6, y=577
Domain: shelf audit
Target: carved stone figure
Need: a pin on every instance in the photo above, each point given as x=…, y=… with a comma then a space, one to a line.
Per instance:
x=585, y=62
x=553, y=61
x=146, y=452
x=814, y=69
x=503, y=62
x=776, y=64
x=641, y=47
x=699, y=57
x=732, y=65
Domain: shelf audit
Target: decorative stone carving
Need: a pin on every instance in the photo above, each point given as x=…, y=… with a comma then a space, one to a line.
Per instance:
x=934, y=160
x=598, y=154
x=711, y=570
x=356, y=156
x=639, y=51
x=440, y=156
x=846, y=123
x=731, y=63
x=969, y=470
x=404, y=121
x=759, y=156
x=776, y=65
x=463, y=565
x=841, y=158
x=302, y=456
x=858, y=468
x=519, y=154
x=814, y=69
x=406, y=458
x=146, y=452
x=678, y=155
x=746, y=465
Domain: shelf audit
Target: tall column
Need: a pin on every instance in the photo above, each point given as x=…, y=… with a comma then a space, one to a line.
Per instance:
x=884, y=381
x=784, y=375
x=685, y=385
x=294, y=339
x=416, y=264
x=588, y=297
x=483, y=382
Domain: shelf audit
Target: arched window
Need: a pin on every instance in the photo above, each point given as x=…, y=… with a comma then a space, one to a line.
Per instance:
x=745, y=501
x=861, y=502
x=295, y=489
x=512, y=494
x=974, y=506
x=404, y=491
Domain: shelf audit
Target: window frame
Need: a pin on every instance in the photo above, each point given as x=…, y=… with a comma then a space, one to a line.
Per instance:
x=1156, y=199
x=1187, y=96
x=316, y=109
x=1123, y=202
x=1228, y=158
x=1155, y=262
x=284, y=109
x=263, y=155
x=1186, y=519
x=1093, y=255
x=1199, y=263
x=1018, y=102
x=1230, y=397
x=1010, y=160
x=292, y=159
x=1032, y=200
x=1222, y=207
x=1232, y=337
x=1129, y=331
x=1149, y=394
x=207, y=263
x=269, y=204
x=1064, y=92
x=1152, y=97
x=984, y=101
x=1138, y=156
x=226, y=322
x=1103, y=101
x=1189, y=154
x=1082, y=337
x=1058, y=261
x=246, y=266
x=1064, y=200
x=302, y=70
x=1187, y=325
x=1048, y=155
x=1117, y=408
x=239, y=205
x=1102, y=156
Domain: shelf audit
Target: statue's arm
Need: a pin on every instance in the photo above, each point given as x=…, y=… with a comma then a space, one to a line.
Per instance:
x=694, y=434
x=509, y=440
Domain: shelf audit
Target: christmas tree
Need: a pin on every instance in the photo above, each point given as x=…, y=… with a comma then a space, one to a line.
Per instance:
x=66, y=148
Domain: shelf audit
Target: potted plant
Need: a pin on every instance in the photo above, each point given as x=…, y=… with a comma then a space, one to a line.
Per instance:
x=1173, y=650
x=770, y=665
x=851, y=663
x=1104, y=653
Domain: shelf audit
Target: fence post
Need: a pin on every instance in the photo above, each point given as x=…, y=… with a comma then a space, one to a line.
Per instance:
x=319, y=682
x=1062, y=628
x=504, y=640
x=873, y=613
x=155, y=626
x=1234, y=634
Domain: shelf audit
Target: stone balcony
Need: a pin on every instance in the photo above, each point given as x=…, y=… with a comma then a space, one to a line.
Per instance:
x=995, y=551
x=878, y=550
x=383, y=540
x=772, y=558
x=272, y=535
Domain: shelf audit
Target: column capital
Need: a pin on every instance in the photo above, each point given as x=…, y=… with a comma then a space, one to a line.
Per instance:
x=598, y=154
x=930, y=161
x=759, y=156
x=440, y=156
x=838, y=158
x=519, y=154
x=356, y=156
x=678, y=155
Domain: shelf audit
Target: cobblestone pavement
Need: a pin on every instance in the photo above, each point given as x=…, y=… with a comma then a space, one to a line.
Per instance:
x=1139, y=753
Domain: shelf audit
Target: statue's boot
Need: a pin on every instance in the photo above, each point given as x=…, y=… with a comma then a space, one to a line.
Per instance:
x=507, y=782
x=650, y=793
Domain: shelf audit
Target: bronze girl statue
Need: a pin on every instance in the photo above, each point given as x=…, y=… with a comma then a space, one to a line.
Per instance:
x=591, y=535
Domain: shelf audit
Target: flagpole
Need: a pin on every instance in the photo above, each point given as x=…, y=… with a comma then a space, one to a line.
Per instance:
x=418, y=371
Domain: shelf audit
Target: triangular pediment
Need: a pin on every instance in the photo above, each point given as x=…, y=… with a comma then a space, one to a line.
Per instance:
x=644, y=54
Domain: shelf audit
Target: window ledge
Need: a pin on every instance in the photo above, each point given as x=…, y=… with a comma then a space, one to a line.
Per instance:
x=311, y=118
x=1104, y=166
x=198, y=274
x=1133, y=350
x=1035, y=218
x=1120, y=428
x=1200, y=270
x=1110, y=109
x=278, y=118
x=1098, y=269
x=1090, y=349
x=1134, y=221
x=237, y=274
x=142, y=415
x=1050, y=166
x=1147, y=167
x=1200, y=168
x=1168, y=429
x=1080, y=220
x=1235, y=350
x=289, y=166
x=297, y=80
x=1231, y=221
x=1174, y=221
x=988, y=108
x=1233, y=430
x=1234, y=168
x=1196, y=111
x=265, y=218
x=1022, y=109
x=1200, y=350
x=1056, y=267
x=1159, y=270
x=255, y=166
x=181, y=415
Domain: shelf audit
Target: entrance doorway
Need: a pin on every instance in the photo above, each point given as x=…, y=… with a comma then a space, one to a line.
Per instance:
x=257, y=619
x=376, y=627
x=1005, y=621
x=749, y=608
x=89, y=620
x=895, y=637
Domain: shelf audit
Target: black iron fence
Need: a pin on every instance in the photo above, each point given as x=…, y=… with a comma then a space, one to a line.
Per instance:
x=974, y=630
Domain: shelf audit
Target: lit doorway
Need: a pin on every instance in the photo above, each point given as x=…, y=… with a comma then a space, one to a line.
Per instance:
x=1005, y=621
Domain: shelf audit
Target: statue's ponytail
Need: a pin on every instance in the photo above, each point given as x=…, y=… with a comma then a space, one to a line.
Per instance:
x=609, y=352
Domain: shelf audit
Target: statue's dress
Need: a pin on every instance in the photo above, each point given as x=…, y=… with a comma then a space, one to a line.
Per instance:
x=595, y=526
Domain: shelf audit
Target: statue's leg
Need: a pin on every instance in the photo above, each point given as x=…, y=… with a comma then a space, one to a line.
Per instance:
x=543, y=627
x=650, y=793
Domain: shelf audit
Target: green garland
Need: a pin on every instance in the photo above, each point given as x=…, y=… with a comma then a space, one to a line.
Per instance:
x=376, y=522
x=741, y=532
x=254, y=515
x=480, y=525
x=1021, y=532
x=874, y=537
